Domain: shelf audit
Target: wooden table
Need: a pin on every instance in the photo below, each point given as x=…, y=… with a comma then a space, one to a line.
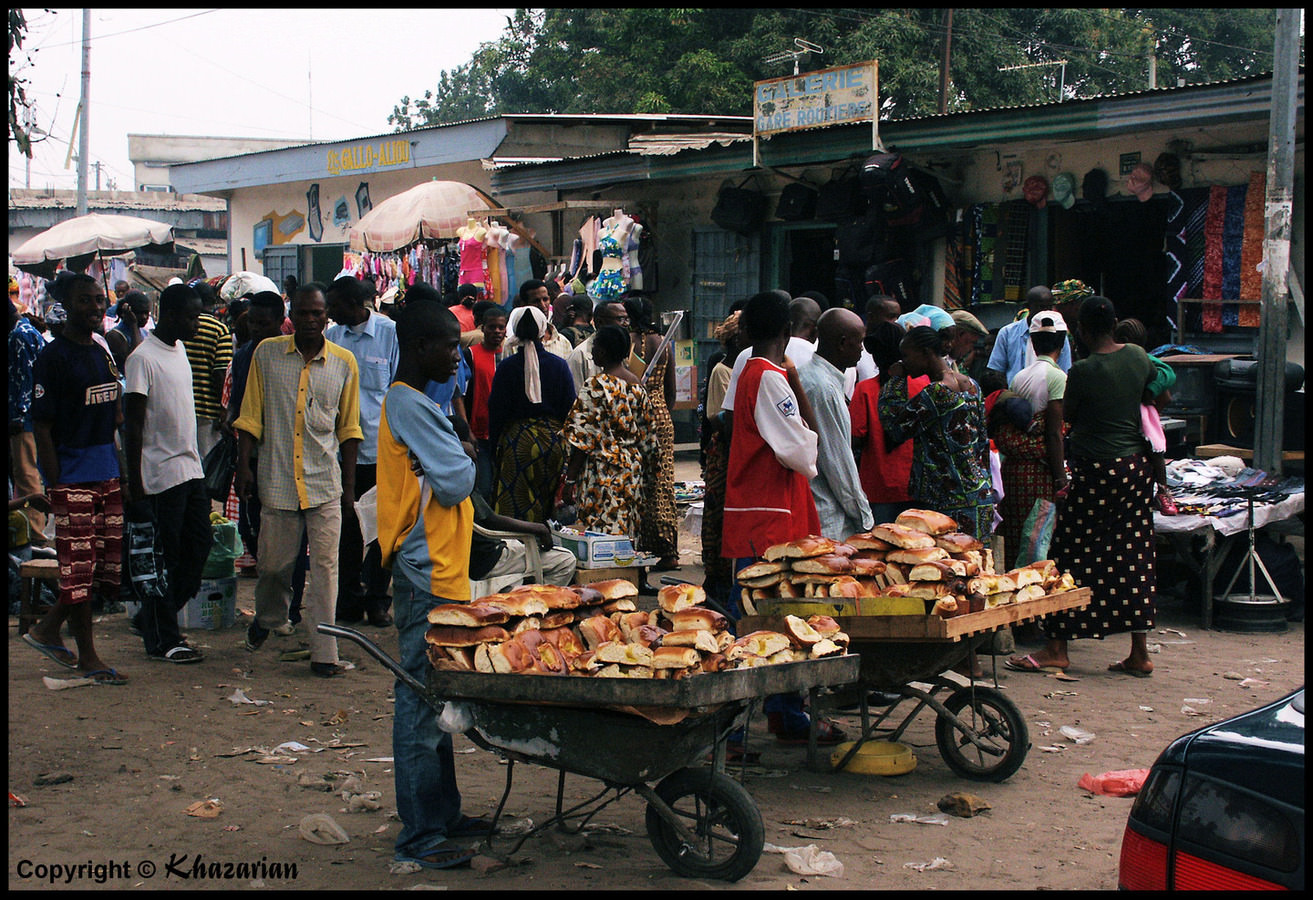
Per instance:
x=1209, y=451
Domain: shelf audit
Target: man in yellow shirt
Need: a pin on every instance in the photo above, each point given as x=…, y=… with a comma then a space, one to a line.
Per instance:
x=302, y=406
x=426, y=520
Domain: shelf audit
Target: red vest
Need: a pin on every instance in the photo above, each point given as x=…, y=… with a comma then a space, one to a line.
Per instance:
x=765, y=502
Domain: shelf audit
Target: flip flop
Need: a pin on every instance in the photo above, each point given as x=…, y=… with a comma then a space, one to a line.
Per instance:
x=446, y=855
x=105, y=676
x=1120, y=668
x=68, y=659
x=1027, y=663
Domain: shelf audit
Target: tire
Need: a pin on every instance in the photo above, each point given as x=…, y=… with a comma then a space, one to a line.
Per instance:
x=994, y=719
x=721, y=813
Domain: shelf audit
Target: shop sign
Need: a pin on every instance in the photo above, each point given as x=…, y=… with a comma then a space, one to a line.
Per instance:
x=828, y=97
x=368, y=156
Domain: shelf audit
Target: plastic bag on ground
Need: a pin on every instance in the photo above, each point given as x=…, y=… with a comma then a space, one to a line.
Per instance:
x=1122, y=783
x=809, y=860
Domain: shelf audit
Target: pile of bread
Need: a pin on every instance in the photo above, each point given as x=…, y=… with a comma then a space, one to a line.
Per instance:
x=920, y=555
x=597, y=630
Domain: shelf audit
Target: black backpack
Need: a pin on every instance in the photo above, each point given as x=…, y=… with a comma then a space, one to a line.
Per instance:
x=797, y=202
x=739, y=209
x=841, y=198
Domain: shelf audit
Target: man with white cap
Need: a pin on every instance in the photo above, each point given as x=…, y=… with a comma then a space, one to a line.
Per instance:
x=1044, y=383
x=1012, y=351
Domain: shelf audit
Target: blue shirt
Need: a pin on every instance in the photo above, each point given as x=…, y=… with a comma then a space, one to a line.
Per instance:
x=441, y=392
x=25, y=343
x=374, y=345
x=76, y=389
x=1012, y=351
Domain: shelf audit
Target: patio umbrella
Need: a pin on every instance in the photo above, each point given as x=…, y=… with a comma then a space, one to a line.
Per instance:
x=76, y=242
x=432, y=210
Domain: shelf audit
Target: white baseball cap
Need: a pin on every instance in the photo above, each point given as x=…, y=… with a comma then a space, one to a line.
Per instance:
x=1050, y=321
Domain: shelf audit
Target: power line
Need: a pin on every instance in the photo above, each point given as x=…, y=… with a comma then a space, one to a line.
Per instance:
x=102, y=37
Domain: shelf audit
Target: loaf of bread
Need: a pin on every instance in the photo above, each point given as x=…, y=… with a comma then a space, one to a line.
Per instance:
x=868, y=541
x=523, y=624
x=676, y=597
x=760, y=643
x=801, y=633
x=946, y=607
x=866, y=568
x=800, y=549
x=623, y=604
x=1029, y=592
x=599, y=630
x=676, y=658
x=762, y=568
x=516, y=604
x=565, y=640
x=614, y=588
x=957, y=542
x=454, y=636
x=704, y=641
x=902, y=536
x=559, y=618
x=926, y=520
x=554, y=596
x=587, y=596
x=916, y=556
x=467, y=615
x=761, y=581
x=1026, y=575
x=823, y=565
x=931, y=571
x=624, y=654
x=699, y=618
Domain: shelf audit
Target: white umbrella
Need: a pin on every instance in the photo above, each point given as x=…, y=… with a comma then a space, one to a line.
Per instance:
x=432, y=210
x=76, y=241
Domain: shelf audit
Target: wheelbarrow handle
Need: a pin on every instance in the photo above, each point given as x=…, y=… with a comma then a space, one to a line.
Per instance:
x=375, y=651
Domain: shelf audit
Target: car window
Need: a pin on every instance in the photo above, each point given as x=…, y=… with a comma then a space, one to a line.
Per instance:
x=1237, y=823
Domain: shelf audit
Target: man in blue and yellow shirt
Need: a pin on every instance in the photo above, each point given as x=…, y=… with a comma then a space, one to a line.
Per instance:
x=425, y=521
x=302, y=406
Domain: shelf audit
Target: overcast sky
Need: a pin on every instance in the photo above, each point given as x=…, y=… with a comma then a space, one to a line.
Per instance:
x=326, y=74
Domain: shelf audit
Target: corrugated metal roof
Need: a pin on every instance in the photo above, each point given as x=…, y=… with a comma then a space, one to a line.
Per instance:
x=140, y=201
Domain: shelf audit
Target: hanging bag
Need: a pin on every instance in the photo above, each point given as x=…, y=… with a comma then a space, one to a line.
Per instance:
x=145, y=560
x=219, y=466
x=739, y=209
x=1037, y=533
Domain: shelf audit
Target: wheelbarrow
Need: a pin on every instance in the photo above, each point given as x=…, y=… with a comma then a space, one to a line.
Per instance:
x=629, y=734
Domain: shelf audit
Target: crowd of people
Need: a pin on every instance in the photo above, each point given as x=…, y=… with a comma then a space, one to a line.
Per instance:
x=452, y=411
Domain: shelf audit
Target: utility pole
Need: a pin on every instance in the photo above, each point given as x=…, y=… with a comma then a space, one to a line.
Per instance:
x=96, y=166
x=1269, y=414
x=944, y=61
x=1153, y=69
x=84, y=139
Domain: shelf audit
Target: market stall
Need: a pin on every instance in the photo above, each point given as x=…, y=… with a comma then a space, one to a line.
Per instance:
x=623, y=696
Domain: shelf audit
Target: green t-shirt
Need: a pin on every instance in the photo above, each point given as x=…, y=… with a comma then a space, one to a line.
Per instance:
x=1102, y=403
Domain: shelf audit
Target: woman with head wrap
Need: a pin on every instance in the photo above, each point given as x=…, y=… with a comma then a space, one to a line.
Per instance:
x=717, y=580
x=531, y=395
x=610, y=432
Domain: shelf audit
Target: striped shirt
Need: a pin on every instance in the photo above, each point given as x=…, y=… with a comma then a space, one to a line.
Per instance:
x=300, y=412
x=209, y=353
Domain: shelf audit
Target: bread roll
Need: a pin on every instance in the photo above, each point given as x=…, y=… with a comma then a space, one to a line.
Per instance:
x=928, y=590
x=697, y=619
x=627, y=622
x=614, y=588
x=462, y=656
x=585, y=663
x=441, y=660
x=648, y=636
x=761, y=568
x=704, y=641
x=1002, y=598
x=848, y=551
x=799, y=632
x=972, y=557
x=548, y=659
x=868, y=541
x=565, y=640
x=452, y=636
x=875, y=555
x=510, y=657
x=554, y=596
x=825, y=626
x=624, y=654
x=481, y=661
x=991, y=584
x=587, y=596
x=945, y=607
x=988, y=564
x=915, y=557
x=957, y=542
x=1026, y=575
x=896, y=573
x=675, y=658
x=761, y=643
x=825, y=647
x=467, y=615
x=527, y=623
x=849, y=588
x=902, y=536
x=560, y=618
x=762, y=581
x=599, y=630
x=610, y=670
x=624, y=604
x=516, y=604
x=676, y=597
x=724, y=640
x=1029, y=592
x=715, y=662
x=800, y=549
x=926, y=520
x=787, y=590
x=866, y=568
x=931, y=571
x=823, y=565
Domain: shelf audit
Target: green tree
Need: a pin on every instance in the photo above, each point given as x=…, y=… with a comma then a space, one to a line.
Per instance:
x=19, y=129
x=704, y=61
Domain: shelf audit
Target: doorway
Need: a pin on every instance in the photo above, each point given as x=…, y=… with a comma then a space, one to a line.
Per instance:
x=802, y=257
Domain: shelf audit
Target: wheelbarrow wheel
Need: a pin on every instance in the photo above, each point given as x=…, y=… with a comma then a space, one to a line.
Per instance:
x=996, y=721
x=722, y=815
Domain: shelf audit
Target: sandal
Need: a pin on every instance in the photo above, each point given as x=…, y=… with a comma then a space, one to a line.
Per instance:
x=447, y=855
x=1027, y=663
x=827, y=734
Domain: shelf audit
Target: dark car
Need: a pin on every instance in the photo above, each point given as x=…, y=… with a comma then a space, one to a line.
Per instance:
x=1223, y=807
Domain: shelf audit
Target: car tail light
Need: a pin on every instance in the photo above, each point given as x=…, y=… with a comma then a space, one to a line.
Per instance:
x=1143, y=865
x=1195, y=874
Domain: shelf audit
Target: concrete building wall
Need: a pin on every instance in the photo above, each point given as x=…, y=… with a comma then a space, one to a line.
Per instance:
x=152, y=154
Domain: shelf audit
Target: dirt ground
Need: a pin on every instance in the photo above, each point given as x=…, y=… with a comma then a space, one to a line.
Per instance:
x=139, y=755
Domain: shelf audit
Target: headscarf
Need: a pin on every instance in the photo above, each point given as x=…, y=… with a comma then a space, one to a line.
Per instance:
x=533, y=385
x=1071, y=289
x=729, y=329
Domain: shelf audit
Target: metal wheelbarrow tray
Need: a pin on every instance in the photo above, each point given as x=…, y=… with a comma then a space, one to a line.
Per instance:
x=627, y=733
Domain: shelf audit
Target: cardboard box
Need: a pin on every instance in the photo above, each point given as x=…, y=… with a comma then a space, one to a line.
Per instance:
x=594, y=550
x=213, y=607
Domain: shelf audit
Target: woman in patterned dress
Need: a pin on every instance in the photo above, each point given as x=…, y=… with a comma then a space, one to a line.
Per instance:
x=532, y=392
x=610, y=432
x=946, y=423
x=1104, y=534
x=659, y=519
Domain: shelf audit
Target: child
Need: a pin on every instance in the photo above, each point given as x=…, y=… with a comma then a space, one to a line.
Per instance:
x=1156, y=396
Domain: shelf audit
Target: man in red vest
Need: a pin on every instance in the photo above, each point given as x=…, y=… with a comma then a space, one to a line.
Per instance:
x=483, y=364
x=772, y=458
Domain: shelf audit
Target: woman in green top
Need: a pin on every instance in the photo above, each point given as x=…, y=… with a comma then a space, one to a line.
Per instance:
x=1104, y=535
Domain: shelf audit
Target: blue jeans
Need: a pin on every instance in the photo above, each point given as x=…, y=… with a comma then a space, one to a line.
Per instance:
x=428, y=800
